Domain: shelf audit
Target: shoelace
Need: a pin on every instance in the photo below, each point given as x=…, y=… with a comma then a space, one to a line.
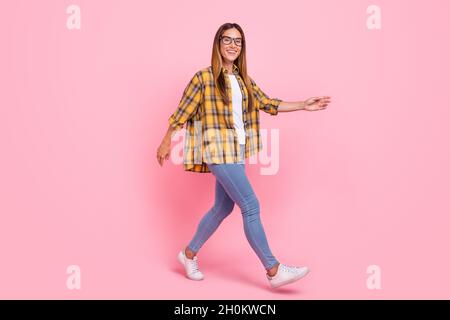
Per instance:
x=193, y=265
x=291, y=268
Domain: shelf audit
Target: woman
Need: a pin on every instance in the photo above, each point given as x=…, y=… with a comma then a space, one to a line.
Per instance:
x=220, y=107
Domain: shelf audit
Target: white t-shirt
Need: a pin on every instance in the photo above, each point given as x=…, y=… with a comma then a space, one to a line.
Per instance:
x=237, y=108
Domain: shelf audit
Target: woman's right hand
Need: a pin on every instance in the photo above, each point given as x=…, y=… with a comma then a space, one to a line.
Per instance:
x=163, y=152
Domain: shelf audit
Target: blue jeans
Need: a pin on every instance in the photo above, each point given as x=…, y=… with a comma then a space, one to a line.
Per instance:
x=232, y=186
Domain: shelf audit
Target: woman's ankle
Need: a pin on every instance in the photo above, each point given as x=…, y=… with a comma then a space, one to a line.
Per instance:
x=189, y=253
x=273, y=271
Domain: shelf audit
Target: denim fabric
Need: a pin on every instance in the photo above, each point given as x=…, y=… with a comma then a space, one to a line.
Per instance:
x=242, y=153
x=232, y=186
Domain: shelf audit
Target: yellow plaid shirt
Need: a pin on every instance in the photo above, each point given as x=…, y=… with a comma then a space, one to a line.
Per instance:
x=210, y=134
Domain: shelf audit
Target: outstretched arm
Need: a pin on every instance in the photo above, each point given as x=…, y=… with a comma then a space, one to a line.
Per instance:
x=311, y=104
x=275, y=105
x=291, y=106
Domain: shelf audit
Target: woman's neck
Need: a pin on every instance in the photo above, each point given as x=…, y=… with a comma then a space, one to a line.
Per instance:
x=229, y=67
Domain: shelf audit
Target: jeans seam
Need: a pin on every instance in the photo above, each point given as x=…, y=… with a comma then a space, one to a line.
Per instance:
x=215, y=213
x=261, y=252
x=202, y=239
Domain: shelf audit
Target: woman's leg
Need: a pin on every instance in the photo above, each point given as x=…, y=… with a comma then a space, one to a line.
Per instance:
x=223, y=206
x=234, y=181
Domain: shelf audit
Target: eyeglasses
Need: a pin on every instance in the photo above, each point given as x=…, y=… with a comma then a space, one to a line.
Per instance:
x=227, y=40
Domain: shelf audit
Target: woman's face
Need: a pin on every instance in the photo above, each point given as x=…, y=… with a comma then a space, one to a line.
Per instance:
x=231, y=51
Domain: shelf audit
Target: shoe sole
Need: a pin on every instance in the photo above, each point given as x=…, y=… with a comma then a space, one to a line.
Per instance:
x=181, y=259
x=290, y=280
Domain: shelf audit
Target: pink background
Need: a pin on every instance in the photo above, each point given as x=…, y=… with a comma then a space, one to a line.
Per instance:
x=363, y=182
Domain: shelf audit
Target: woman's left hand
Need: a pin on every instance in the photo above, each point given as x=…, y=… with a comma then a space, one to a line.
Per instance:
x=317, y=103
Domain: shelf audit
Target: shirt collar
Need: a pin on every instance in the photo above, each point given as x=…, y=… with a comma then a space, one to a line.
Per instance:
x=235, y=69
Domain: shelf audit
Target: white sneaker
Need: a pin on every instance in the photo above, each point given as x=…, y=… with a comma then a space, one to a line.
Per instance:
x=287, y=274
x=190, y=266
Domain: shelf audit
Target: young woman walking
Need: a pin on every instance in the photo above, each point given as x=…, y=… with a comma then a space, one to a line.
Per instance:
x=220, y=107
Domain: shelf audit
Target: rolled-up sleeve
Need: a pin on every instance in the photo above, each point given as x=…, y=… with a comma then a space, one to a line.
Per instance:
x=190, y=100
x=264, y=103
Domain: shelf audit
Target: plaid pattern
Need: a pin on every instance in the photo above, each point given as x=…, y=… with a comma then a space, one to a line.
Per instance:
x=210, y=134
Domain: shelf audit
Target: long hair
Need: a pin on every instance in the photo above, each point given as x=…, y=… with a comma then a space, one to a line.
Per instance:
x=217, y=63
